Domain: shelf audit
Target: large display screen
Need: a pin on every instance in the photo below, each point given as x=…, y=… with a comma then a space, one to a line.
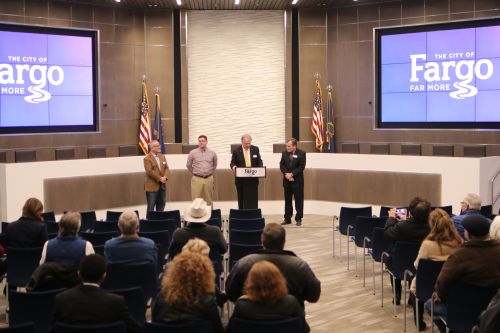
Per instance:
x=438, y=75
x=48, y=79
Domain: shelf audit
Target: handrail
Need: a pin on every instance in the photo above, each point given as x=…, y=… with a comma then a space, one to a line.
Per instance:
x=492, y=181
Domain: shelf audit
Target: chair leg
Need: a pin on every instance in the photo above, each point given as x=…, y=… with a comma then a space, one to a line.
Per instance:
x=394, y=294
x=333, y=237
x=347, y=244
x=432, y=317
x=382, y=284
x=364, y=266
x=417, y=320
x=355, y=260
x=404, y=307
x=373, y=275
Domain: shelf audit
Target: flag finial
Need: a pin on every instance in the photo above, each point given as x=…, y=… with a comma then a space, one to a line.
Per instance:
x=317, y=76
x=143, y=77
x=329, y=87
x=157, y=89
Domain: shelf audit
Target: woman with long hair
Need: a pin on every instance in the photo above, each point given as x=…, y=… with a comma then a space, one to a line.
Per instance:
x=29, y=230
x=266, y=296
x=187, y=292
x=440, y=243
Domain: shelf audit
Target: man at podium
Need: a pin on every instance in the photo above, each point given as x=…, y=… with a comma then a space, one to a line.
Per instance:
x=248, y=188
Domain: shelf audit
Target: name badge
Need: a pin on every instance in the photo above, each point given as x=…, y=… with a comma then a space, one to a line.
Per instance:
x=295, y=156
x=254, y=156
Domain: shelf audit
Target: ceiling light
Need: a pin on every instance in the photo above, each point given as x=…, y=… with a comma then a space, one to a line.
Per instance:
x=294, y=2
x=236, y=2
x=179, y=2
x=118, y=0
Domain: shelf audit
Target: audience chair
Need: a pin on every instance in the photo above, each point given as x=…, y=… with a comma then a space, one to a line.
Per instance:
x=5, y=225
x=216, y=222
x=32, y=307
x=189, y=327
x=135, y=302
x=21, y=263
x=112, y=215
x=384, y=211
x=290, y=325
x=245, y=213
x=487, y=211
x=23, y=328
x=166, y=215
x=49, y=217
x=464, y=304
x=216, y=214
x=118, y=327
x=88, y=220
x=158, y=225
x=403, y=257
x=347, y=218
x=123, y=276
x=99, y=249
x=249, y=237
x=238, y=251
x=98, y=238
x=379, y=246
x=363, y=230
x=448, y=209
x=247, y=224
x=427, y=273
x=109, y=226
x=3, y=241
x=161, y=239
x=52, y=227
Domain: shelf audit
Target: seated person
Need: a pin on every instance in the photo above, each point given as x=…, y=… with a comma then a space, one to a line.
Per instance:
x=196, y=216
x=413, y=228
x=187, y=292
x=88, y=304
x=266, y=296
x=471, y=205
x=442, y=241
x=495, y=229
x=476, y=262
x=67, y=248
x=129, y=248
x=29, y=230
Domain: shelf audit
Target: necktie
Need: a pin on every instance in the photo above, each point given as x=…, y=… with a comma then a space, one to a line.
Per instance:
x=247, y=158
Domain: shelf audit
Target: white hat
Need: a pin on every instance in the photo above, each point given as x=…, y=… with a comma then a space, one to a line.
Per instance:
x=198, y=212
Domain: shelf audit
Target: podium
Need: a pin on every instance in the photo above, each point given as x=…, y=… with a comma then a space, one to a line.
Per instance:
x=247, y=185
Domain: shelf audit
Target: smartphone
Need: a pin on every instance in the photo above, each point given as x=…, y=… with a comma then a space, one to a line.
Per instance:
x=401, y=211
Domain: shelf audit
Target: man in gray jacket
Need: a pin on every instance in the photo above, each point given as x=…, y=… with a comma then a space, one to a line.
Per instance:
x=301, y=281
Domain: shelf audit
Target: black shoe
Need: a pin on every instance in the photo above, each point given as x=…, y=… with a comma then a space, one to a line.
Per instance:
x=286, y=222
x=398, y=300
x=299, y=222
x=422, y=326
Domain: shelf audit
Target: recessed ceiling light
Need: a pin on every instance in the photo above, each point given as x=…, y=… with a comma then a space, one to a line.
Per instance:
x=294, y=2
x=179, y=2
x=236, y=2
x=118, y=0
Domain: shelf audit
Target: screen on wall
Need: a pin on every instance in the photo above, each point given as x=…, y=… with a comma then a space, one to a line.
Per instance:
x=438, y=75
x=48, y=80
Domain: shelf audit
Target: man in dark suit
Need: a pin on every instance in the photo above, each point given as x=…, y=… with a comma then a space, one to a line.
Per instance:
x=248, y=188
x=292, y=165
x=155, y=182
x=88, y=304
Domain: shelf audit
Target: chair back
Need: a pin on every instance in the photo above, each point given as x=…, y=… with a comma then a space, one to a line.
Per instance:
x=161, y=238
x=379, y=244
x=109, y=226
x=49, y=217
x=23, y=328
x=464, y=304
x=98, y=238
x=216, y=214
x=5, y=225
x=88, y=220
x=216, y=222
x=158, y=225
x=99, y=249
x=247, y=224
x=250, y=237
x=363, y=227
x=290, y=325
x=112, y=215
x=118, y=327
x=21, y=263
x=348, y=216
x=403, y=257
x=123, y=276
x=52, y=227
x=245, y=213
x=487, y=210
x=427, y=273
x=190, y=327
x=135, y=302
x=448, y=209
x=35, y=307
x=238, y=251
x=166, y=215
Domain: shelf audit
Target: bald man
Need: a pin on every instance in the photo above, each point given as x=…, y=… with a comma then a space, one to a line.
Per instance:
x=155, y=182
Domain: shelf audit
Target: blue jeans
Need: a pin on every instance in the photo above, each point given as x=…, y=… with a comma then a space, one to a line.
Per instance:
x=439, y=310
x=156, y=199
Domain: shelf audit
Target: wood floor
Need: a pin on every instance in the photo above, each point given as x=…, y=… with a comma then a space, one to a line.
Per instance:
x=344, y=306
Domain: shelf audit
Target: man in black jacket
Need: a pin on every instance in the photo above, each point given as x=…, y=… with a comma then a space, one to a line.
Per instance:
x=248, y=188
x=292, y=165
x=300, y=279
x=413, y=228
x=88, y=304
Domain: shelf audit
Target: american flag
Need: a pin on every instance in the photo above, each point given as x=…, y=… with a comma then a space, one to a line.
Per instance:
x=145, y=125
x=317, y=119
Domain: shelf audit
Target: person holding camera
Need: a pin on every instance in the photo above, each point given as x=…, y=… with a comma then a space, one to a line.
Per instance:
x=411, y=227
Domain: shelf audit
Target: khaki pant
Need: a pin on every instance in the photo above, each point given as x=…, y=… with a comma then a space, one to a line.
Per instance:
x=202, y=188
